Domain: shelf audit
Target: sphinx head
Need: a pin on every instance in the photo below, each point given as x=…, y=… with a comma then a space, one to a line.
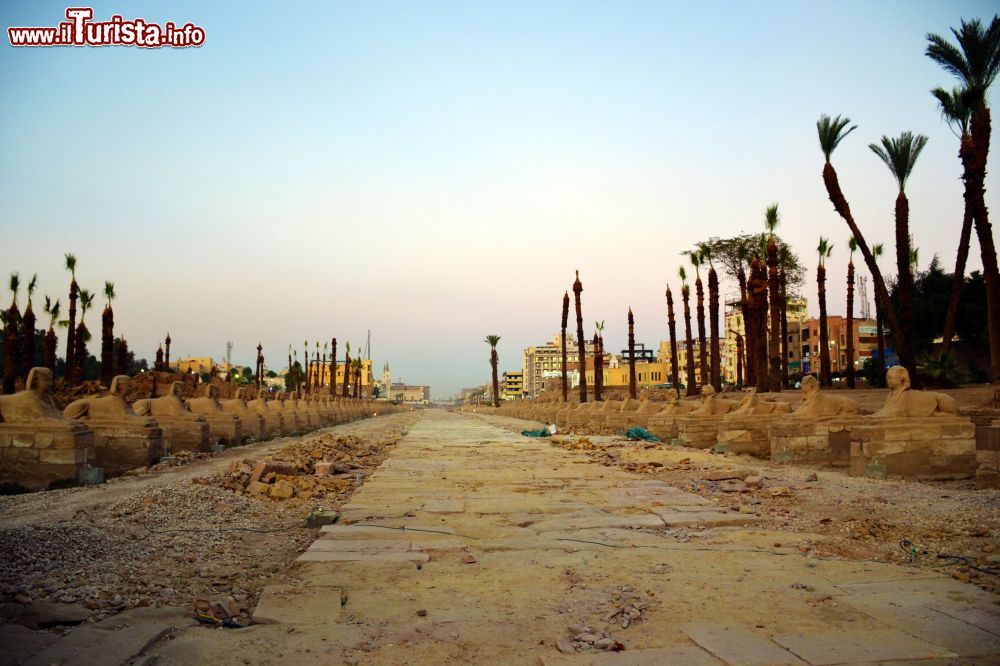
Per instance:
x=897, y=378
x=707, y=391
x=810, y=386
x=120, y=385
x=39, y=381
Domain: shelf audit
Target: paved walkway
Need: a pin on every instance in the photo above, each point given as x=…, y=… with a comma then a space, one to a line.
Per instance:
x=509, y=542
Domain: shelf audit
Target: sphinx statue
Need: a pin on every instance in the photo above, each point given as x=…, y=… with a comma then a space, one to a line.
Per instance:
x=183, y=430
x=223, y=427
x=711, y=405
x=752, y=405
x=294, y=423
x=904, y=401
x=745, y=429
x=817, y=404
x=663, y=423
x=274, y=422
x=38, y=444
x=632, y=412
x=123, y=440
x=252, y=424
x=700, y=427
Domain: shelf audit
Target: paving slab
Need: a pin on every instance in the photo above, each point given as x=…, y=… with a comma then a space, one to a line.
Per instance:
x=859, y=647
x=738, y=646
x=679, y=656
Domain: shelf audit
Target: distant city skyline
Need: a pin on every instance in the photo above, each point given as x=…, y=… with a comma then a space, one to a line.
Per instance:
x=436, y=172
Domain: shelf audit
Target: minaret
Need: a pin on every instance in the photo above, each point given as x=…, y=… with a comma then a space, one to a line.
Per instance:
x=386, y=380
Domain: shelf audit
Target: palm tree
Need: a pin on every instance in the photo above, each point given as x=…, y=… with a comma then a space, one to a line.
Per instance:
x=305, y=364
x=831, y=132
x=741, y=279
x=852, y=245
x=672, y=326
x=357, y=376
x=289, y=363
x=80, y=355
x=631, y=356
x=692, y=385
x=565, y=323
x=825, y=249
x=715, y=354
x=900, y=155
x=492, y=341
x=699, y=290
x=740, y=354
x=49, y=346
x=322, y=367
x=108, y=335
x=28, y=330
x=74, y=292
x=771, y=220
x=877, y=250
x=598, y=360
x=347, y=365
x=976, y=63
x=757, y=322
x=581, y=342
x=333, y=367
x=784, y=257
x=316, y=377
x=10, y=351
x=121, y=357
x=957, y=113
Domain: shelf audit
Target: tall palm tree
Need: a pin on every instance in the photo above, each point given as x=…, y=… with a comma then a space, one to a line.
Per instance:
x=316, y=377
x=121, y=357
x=565, y=324
x=333, y=367
x=672, y=326
x=824, y=249
x=28, y=330
x=900, y=155
x=831, y=132
x=492, y=341
x=631, y=356
x=321, y=368
x=305, y=364
x=976, y=63
x=699, y=290
x=757, y=292
x=581, y=341
x=347, y=365
x=771, y=220
x=108, y=335
x=741, y=279
x=49, y=346
x=692, y=385
x=74, y=293
x=598, y=360
x=852, y=245
x=358, y=365
x=81, y=355
x=740, y=355
x=12, y=318
x=289, y=360
x=957, y=113
x=784, y=257
x=715, y=353
x=877, y=251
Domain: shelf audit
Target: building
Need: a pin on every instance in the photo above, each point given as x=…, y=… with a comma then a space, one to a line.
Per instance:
x=513, y=385
x=648, y=374
x=663, y=356
x=543, y=362
x=367, y=377
x=400, y=392
x=865, y=343
x=797, y=315
x=199, y=365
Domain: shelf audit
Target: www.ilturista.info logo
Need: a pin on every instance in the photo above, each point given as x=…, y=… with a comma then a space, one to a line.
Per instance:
x=80, y=30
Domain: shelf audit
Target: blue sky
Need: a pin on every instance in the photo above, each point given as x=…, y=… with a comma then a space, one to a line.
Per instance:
x=435, y=171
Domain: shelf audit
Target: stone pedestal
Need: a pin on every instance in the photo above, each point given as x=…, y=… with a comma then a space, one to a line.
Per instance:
x=988, y=455
x=121, y=445
x=224, y=428
x=699, y=432
x=274, y=422
x=184, y=433
x=933, y=447
x=746, y=433
x=811, y=441
x=664, y=426
x=252, y=424
x=34, y=455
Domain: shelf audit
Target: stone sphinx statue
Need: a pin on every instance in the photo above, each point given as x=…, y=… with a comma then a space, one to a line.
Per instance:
x=223, y=427
x=123, y=440
x=34, y=403
x=816, y=404
x=675, y=405
x=38, y=444
x=712, y=405
x=274, y=422
x=183, y=430
x=904, y=401
x=752, y=405
x=251, y=423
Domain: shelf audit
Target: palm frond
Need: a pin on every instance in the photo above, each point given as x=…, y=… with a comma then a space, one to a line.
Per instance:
x=877, y=250
x=683, y=274
x=492, y=340
x=956, y=107
x=109, y=291
x=975, y=60
x=831, y=132
x=771, y=218
x=71, y=263
x=14, y=284
x=900, y=154
x=31, y=286
x=852, y=245
x=53, y=312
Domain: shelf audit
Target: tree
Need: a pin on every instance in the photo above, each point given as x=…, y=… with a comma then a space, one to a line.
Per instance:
x=565, y=323
x=28, y=330
x=699, y=290
x=12, y=319
x=824, y=249
x=757, y=322
x=771, y=220
x=598, y=360
x=82, y=335
x=74, y=293
x=852, y=245
x=631, y=355
x=333, y=367
x=692, y=385
x=783, y=253
x=347, y=365
x=581, y=342
x=880, y=307
x=49, y=346
x=715, y=353
x=672, y=326
x=492, y=341
x=900, y=155
x=976, y=63
x=108, y=335
x=957, y=113
x=831, y=132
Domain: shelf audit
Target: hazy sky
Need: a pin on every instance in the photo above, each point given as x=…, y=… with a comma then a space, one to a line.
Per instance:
x=435, y=171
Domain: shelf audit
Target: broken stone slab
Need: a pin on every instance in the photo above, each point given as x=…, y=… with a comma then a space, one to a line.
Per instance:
x=705, y=518
x=359, y=545
x=28, y=643
x=45, y=615
x=738, y=646
x=856, y=647
x=407, y=531
x=299, y=605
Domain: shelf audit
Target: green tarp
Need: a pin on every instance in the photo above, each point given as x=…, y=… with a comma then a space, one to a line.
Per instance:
x=641, y=433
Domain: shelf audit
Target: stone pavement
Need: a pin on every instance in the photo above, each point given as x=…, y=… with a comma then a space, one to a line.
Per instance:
x=473, y=544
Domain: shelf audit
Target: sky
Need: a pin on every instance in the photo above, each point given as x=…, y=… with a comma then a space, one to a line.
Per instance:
x=435, y=171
